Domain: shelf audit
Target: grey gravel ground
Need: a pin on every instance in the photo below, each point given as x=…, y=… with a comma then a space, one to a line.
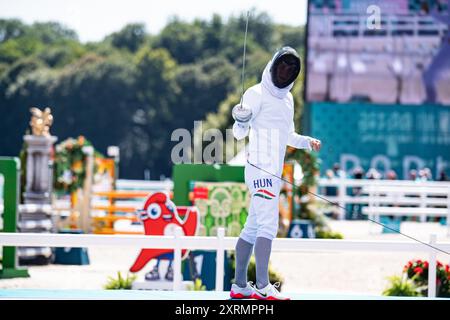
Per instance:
x=353, y=272
x=314, y=272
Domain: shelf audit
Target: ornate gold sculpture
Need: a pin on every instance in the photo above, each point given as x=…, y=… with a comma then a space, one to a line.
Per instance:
x=41, y=121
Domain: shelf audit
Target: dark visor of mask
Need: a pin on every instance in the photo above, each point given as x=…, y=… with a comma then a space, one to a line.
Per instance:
x=288, y=60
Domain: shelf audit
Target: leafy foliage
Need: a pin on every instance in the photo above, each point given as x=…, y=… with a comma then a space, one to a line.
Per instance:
x=132, y=89
x=324, y=233
x=414, y=280
x=120, y=283
x=401, y=287
x=197, y=286
x=130, y=37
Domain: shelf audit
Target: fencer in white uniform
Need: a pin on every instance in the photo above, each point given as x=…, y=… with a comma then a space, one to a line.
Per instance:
x=266, y=114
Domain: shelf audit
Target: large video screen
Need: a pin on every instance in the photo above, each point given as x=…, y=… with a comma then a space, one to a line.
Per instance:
x=378, y=51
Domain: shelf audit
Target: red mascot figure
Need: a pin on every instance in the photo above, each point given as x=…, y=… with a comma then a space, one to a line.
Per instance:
x=160, y=216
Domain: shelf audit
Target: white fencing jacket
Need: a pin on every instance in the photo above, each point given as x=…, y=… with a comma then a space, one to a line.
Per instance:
x=271, y=125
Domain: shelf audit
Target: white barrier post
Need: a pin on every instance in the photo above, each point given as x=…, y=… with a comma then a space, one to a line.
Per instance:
x=377, y=195
x=220, y=259
x=432, y=269
x=448, y=212
x=177, y=277
x=342, y=194
x=85, y=216
x=423, y=204
x=370, y=205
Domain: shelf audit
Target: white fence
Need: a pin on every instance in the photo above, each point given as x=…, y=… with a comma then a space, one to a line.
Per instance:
x=432, y=197
x=151, y=185
x=62, y=206
x=428, y=194
x=378, y=197
x=220, y=244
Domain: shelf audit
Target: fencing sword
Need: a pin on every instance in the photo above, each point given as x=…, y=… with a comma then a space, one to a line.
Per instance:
x=245, y=115
x=241, y=114
x=243, y=58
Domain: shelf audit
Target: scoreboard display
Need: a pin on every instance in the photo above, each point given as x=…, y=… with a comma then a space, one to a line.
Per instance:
x=378, y=84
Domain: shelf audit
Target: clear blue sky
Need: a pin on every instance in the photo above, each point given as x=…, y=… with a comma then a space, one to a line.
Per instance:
x=93, y=19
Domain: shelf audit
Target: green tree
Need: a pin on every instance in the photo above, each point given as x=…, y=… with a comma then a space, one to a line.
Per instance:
x=131, y=37
x=19, y=41
x=183, y=40
x=24, y=85
x=260, y=30
x=11, y=29
x=95, y=98
x=60, y=56
x=52, y=33
x=213, y=36
x=133, y=89
x=204, y=85
x=14, y=49
x=290, y=36
x=145, y=144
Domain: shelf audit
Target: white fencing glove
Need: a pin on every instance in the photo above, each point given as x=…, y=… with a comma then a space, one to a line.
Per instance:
x=242, y=115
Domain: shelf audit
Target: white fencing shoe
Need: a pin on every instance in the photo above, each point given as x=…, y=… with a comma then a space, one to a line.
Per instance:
x=269, y=292
x=241, y=293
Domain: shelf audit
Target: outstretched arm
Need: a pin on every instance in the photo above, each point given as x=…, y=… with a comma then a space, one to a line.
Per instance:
x=302, y=142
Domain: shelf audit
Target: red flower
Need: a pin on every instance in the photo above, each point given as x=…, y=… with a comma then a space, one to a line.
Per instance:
x=419, y=261
x=439, y=264
x=425, y=264
x=418, y=270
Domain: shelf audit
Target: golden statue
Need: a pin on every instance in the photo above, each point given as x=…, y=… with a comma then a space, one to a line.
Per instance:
x=41, y=121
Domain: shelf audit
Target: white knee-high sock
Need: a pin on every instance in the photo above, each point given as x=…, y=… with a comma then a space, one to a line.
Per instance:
x=263, y=247
x=243, y=253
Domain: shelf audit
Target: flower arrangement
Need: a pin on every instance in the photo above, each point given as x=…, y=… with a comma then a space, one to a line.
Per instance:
x=414, y=280
x=70, y=164
x=307, y=207
x=418, y=269
x=310, y=165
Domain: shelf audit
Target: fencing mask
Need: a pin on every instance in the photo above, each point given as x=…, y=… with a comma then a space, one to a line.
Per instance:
x=285, y=67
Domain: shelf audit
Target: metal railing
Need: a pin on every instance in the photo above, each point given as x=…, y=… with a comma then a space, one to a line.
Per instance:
x=220, y=243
